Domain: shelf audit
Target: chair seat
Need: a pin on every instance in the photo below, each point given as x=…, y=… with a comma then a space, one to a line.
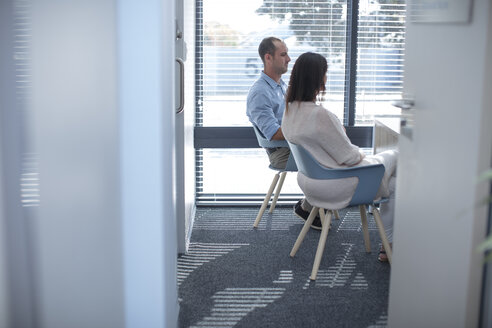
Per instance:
x=271, y=167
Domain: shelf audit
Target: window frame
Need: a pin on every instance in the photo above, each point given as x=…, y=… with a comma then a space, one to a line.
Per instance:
x=244, y=137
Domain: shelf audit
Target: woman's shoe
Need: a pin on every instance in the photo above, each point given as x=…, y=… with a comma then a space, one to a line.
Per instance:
x=382, y=256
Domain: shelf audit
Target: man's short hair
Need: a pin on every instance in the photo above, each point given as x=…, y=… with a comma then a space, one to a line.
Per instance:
x=267, y=46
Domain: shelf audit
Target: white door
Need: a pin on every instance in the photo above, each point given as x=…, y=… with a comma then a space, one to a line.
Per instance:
x=185, y=114
x=436, y=273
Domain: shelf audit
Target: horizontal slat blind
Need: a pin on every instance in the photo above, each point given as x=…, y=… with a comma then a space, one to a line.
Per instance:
x=381, y=41
x=228, y=62
x=380, y=50
x=29, y=179
x=230, y=58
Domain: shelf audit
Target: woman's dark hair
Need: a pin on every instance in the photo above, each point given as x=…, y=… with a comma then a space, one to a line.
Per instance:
x=307, y=78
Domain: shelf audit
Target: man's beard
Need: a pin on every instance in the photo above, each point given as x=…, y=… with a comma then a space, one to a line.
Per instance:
x=282, y=70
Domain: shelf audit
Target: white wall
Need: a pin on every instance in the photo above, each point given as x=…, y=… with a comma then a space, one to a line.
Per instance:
x=436, y=273
x=5, y=101
x=4, y=299
x=146, y=63
x=4, y=292
x=487, y=301
x=105, y=236
x=78, y=231
x=16, y=292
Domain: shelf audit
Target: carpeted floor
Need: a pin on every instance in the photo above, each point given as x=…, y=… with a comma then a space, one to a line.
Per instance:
x=237, y=276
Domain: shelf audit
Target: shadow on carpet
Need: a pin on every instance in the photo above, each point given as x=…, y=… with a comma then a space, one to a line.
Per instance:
x=237, y=276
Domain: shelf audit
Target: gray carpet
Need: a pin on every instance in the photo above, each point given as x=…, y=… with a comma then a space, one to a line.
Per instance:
x=235, y=276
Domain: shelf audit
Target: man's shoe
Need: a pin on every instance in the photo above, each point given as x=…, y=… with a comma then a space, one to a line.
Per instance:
x=305, y=214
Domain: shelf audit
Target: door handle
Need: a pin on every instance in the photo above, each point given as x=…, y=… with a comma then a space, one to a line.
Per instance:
x=404, y=104
x=406, y=120
x=181, y=86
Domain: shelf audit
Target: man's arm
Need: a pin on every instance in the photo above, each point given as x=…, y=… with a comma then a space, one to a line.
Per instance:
x=260, y=113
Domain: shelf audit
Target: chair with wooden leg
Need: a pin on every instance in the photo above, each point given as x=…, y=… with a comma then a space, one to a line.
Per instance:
x=278, y=178
x=369, y=179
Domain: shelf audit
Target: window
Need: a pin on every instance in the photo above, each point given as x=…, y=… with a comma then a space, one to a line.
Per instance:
x=380, y=46
x=364, y=52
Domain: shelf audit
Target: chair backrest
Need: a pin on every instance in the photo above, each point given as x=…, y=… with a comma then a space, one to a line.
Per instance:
x=265, y=143
x=369, y=175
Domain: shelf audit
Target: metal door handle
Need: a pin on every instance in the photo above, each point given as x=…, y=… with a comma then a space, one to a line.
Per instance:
x=181, y=86
x=404, y=104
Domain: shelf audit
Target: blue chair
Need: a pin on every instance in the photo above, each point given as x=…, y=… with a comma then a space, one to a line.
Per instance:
x=369, y=179
x=278, y=179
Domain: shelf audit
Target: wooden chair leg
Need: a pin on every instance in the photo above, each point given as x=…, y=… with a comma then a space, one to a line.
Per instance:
x=382, y=233
x=365, y=229
x=266, y=200
x=336, y=215
x=305, y=228
x=277, y=191
x=322, y=212
x=326, y=220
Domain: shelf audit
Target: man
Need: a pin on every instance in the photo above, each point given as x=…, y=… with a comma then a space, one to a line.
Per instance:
x=266, y=105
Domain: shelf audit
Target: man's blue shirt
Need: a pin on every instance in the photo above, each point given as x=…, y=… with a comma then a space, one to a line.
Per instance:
x=266, y=104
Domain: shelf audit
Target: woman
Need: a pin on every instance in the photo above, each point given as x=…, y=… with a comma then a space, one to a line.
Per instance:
x=320, y=132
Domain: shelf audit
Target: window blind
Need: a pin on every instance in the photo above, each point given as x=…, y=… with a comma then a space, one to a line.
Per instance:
x=380, y=58
x=29, y=179
x=228, y=62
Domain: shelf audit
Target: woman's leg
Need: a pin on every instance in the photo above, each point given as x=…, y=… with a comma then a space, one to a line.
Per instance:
x=388, y=159
x=387, y=211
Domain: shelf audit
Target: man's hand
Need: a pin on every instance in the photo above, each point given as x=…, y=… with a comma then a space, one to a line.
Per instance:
x=278, y=135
